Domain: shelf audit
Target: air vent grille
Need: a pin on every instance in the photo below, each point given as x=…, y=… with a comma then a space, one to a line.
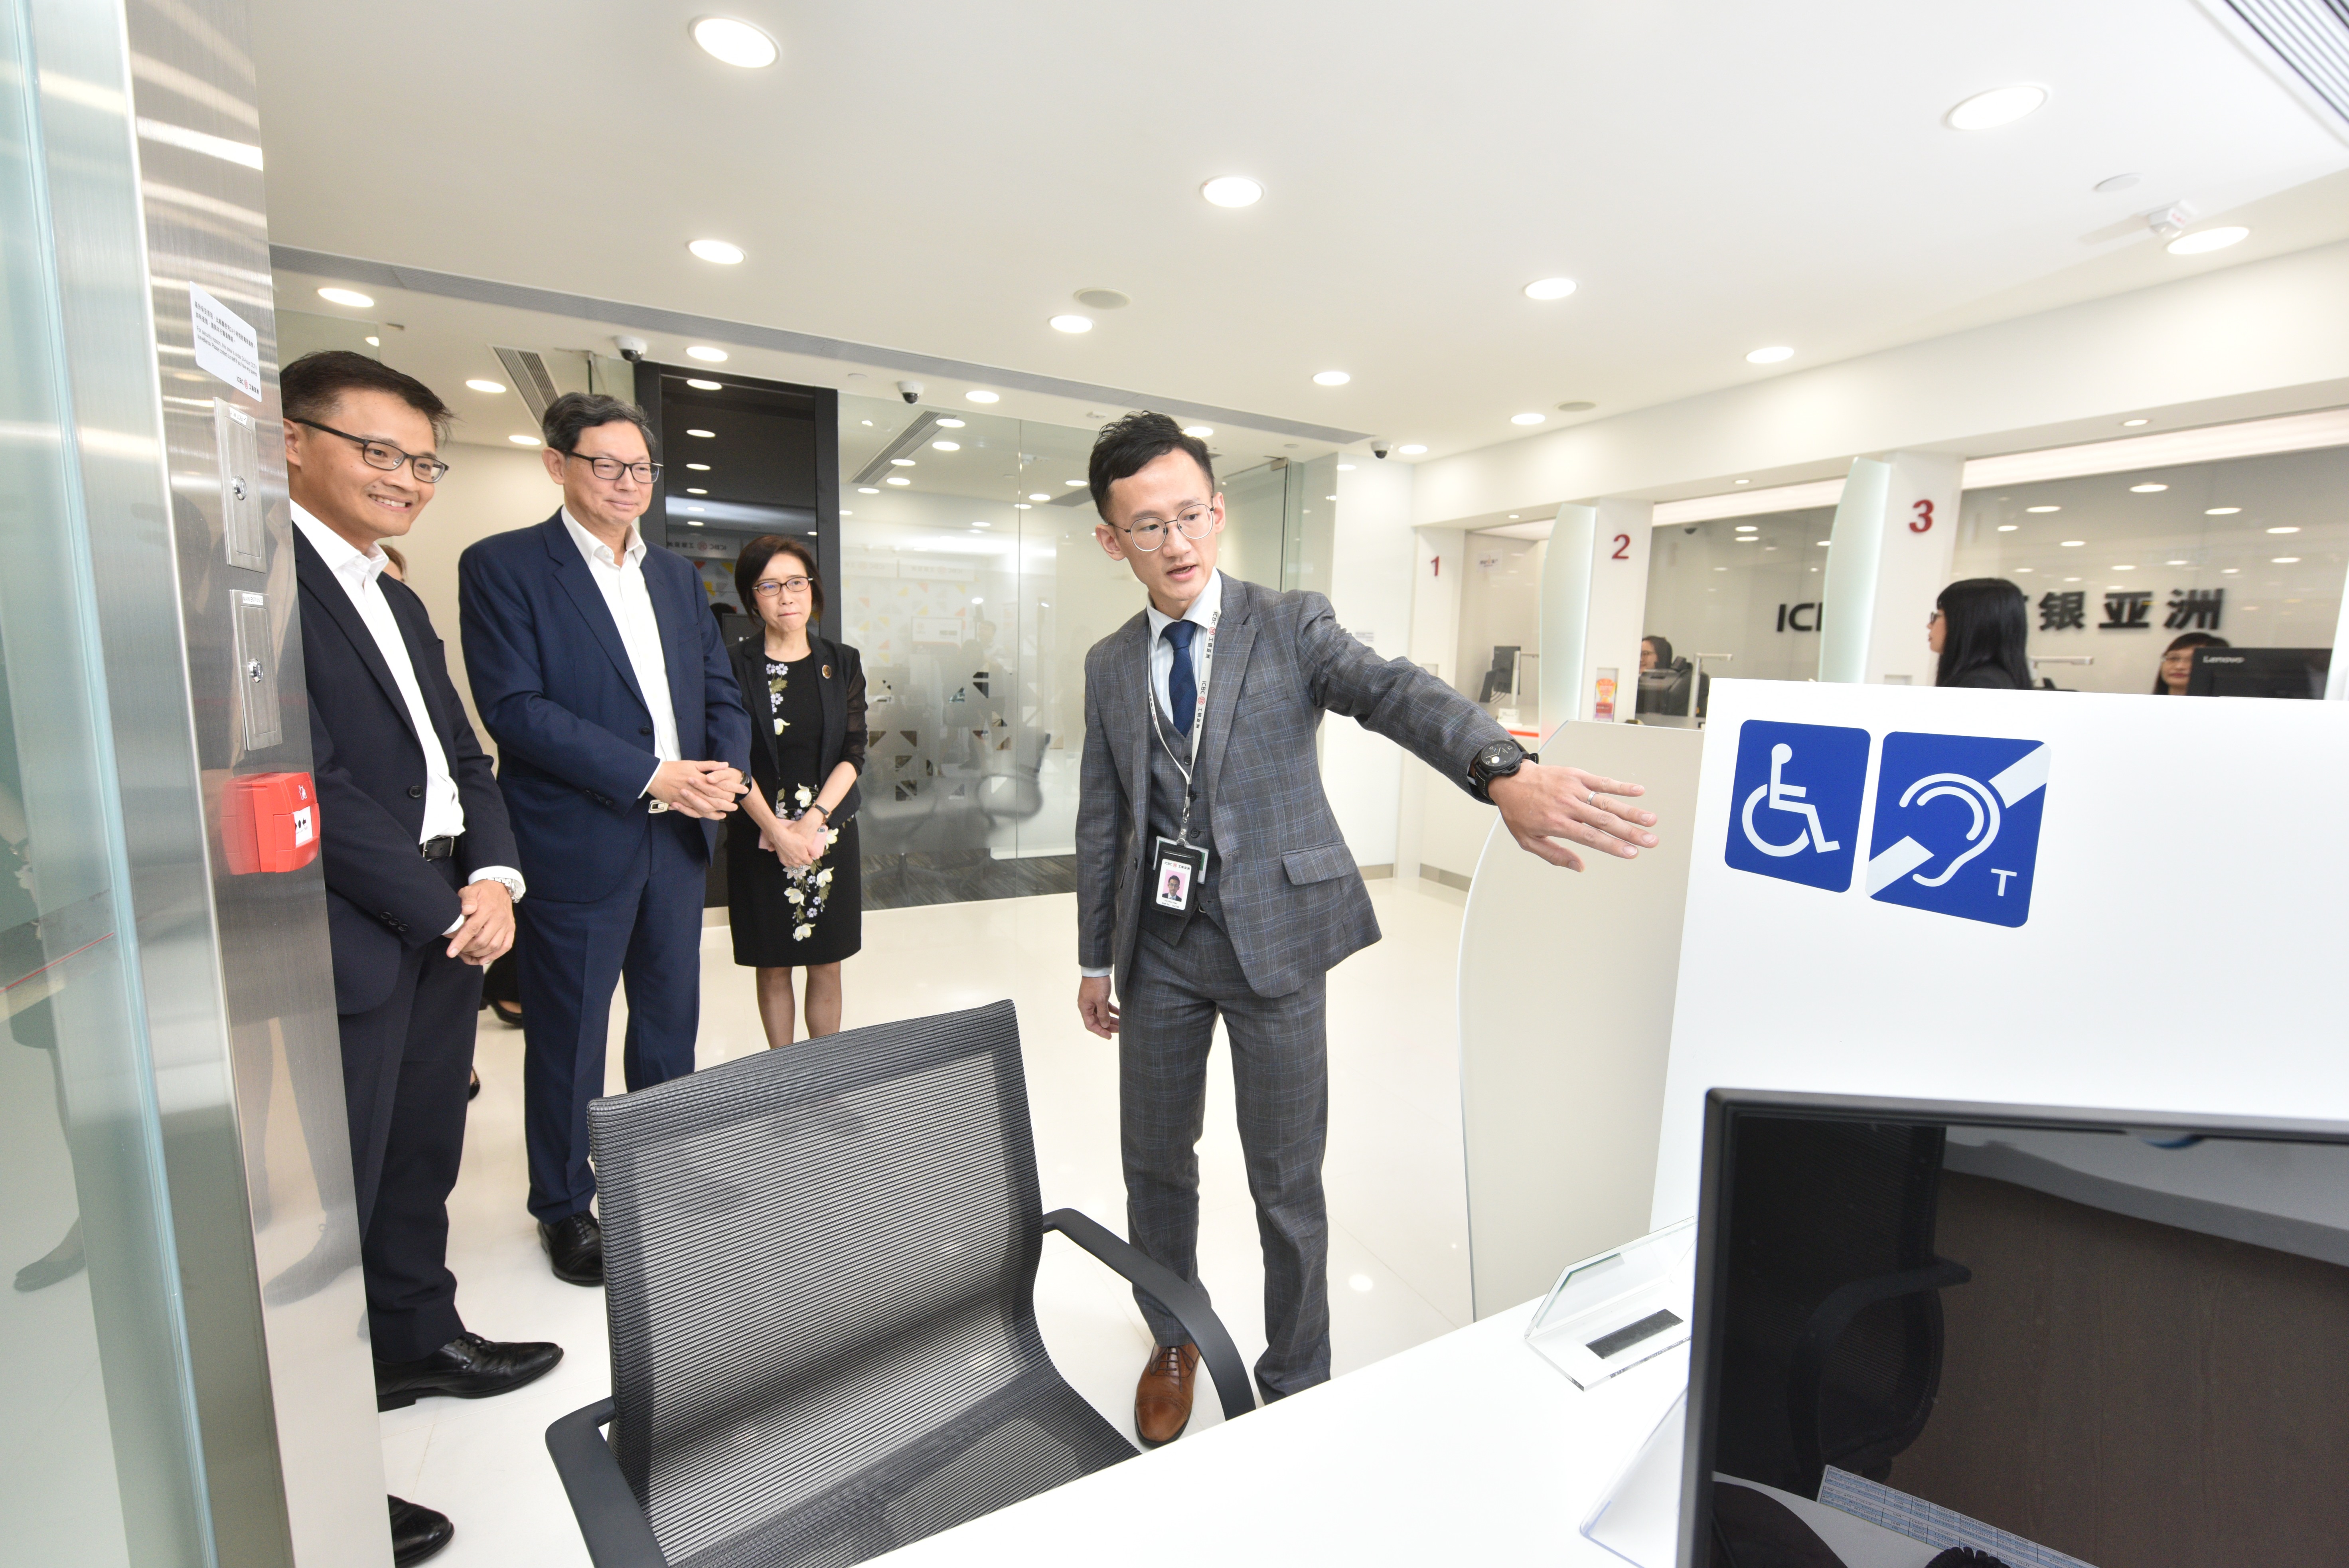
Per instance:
x=2312, y=36
x=527, y=370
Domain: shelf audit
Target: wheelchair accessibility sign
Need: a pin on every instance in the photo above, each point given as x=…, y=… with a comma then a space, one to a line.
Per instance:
x=1795, y=809
x=1957, y=825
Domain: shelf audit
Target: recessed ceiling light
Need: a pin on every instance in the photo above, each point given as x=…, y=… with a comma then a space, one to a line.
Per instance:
x=1527, y=419
x=1745, y=539
x=1413, y=449
x=2022, y=568
x=2073, y=544
x=706, y=354
x=2224, y=512
x=1826, y=540
x=1198, y=432
x=2000, y=106
x=2283, y=560
x=2117, y=183
x=1513, y=516
x=2008, y=527
x=1072, y=323
x=1770, y=356
x=350, y=296
x=2228, y=571
x=375, y=342
x=868, y=490
x=844, y=512
x=945, y=446
x=2042, y=509
x=899, y=479
x=2173, y=563
x=487, y=385
x=1103, y=298
x=1717, y=569
x=1016, y=506
x=2070, y=579
x=1577, y=406
x=1549, y=288
x=524, y=440
x=1073, y=484
x=706, y=435
x=1232, y=191
x=700, y=386
x=1747, y=527
x=1039, y=496
x=735, y=42
x=699, y=467
x=1330, y=377
x=2201, y=242
x=691, y=492
x=2146, y=489
x=695, y=522
x=952, y=424
x=1345, y=468
x=982, y=394
x=2132, y=424
x=1745, y=481
x=901, y=461
x=2124, y=568
x=717, y=251
x=2276, y=530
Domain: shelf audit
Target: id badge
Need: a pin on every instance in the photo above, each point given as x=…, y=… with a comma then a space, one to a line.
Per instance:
x=1175, y=874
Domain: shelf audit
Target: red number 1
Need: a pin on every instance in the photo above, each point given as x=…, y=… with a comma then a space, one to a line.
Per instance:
x=1622, y=548
x=1924, y=520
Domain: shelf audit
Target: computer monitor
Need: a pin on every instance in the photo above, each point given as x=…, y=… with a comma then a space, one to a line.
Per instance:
x=2050, y=1337
x=2259, y=672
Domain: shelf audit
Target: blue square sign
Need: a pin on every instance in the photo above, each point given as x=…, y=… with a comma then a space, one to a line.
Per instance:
x=1957, y=824
x=1794, y=812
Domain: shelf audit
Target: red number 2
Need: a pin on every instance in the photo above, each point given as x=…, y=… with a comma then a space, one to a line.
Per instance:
x=1622, y=548
x=1924, y=519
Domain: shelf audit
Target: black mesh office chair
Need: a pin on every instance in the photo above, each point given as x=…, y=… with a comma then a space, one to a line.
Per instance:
x=1834, y=1351
x=820, y=1267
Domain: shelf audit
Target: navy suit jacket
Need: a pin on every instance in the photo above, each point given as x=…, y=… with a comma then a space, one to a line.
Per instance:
x=554, y=688
x=368, y=765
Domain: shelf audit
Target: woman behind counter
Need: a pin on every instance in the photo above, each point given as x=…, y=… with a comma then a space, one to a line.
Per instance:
x=791, y=881
x=1980, y=627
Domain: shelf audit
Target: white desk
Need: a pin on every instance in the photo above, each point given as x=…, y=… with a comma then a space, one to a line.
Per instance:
x=1469, y=1449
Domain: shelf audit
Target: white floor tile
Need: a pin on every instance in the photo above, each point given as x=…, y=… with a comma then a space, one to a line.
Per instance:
x=1398, y=1265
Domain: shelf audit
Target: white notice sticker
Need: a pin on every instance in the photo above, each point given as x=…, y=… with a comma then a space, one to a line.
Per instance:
x=225, y=345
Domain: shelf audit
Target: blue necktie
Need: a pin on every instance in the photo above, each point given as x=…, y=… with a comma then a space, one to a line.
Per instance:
x=1183, y=685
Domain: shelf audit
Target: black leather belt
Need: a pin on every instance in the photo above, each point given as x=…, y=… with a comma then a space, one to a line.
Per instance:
x=438, y=849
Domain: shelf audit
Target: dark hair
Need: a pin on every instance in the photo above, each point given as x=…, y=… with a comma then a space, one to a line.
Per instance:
x=1663, y=647
x=311, y=386
x=753, y=560
x=573, y=414
x=1125, y=447
x=2190, y=639
x=1985, y=621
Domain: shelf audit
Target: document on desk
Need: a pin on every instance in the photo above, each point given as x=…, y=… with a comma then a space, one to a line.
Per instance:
x=1931, y=1523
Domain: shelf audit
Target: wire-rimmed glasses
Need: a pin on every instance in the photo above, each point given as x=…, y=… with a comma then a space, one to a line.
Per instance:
x=609, y=469
x=1196, y=522
x=382, y=454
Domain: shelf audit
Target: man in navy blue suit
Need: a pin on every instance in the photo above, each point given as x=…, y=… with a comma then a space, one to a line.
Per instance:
x=421, y=880
x=623, y=742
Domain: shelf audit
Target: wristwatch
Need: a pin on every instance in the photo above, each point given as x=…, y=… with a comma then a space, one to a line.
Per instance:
x=1497, y=761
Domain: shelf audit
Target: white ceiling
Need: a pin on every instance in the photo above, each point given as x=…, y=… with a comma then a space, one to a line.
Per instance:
x=939, y=179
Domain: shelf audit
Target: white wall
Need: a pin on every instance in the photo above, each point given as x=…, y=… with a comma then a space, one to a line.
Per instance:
x=2270, y=336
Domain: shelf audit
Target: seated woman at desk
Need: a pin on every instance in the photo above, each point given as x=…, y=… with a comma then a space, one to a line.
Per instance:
x=1979, y=626
x=2178, y=662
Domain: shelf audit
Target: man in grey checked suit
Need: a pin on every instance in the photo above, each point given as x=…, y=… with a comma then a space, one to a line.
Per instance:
x=1200, y=715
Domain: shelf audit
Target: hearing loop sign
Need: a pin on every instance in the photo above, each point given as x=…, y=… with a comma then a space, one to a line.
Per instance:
x=1956, y=825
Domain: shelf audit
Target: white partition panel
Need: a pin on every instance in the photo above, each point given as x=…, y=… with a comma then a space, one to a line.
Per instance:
x=1566, y=1008
x=2065, y=899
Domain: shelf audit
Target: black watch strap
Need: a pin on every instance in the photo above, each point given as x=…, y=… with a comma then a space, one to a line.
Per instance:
x=1495, y=759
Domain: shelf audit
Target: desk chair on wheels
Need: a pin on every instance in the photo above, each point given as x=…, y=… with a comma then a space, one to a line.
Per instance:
x=820, y=1266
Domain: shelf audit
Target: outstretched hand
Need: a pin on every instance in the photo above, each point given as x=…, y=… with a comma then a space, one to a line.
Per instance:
x=1541, y=805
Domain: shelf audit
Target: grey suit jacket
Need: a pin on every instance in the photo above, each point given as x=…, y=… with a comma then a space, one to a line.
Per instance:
x=1293, y=902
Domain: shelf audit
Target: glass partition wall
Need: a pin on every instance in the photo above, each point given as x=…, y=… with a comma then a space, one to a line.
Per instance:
x=972, y=585
x=1736, y=596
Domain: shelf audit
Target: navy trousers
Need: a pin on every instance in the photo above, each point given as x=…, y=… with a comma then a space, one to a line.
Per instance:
x=647, y=932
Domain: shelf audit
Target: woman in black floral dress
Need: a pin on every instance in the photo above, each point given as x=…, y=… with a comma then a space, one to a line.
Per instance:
x=791, y=866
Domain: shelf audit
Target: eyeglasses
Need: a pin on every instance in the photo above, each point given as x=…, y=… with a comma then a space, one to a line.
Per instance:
x=382, y=454
x=609, y=469
x=768, y=588
x=1932, y=618
x=1196, y=522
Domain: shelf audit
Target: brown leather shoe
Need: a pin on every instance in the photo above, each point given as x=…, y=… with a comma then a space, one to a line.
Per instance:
x=1162, y=1404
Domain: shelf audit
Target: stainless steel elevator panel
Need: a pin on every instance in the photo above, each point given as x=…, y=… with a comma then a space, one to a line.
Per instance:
x=152, y=128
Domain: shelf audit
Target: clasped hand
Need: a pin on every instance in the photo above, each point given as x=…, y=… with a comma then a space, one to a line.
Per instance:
x=1540, y=805
x=487, y=909
x=796, y=843
x=702, y=789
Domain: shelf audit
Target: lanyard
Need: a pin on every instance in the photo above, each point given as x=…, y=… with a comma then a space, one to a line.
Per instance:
x=1198, y=717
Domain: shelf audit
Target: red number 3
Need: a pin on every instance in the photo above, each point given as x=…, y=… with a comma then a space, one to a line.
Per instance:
x=1924, y=519
x=1622, y=548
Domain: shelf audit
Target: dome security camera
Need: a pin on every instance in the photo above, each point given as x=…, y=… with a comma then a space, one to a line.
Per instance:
x=1381, y=446
x=910, y=391
x=632, y=349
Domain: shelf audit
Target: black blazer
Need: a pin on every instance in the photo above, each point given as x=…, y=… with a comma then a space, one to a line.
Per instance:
x=843, y=719
x=369, y=765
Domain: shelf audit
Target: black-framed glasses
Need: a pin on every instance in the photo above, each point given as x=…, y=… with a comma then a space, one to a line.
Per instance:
x=1196, y=522
x=382, y=454
x=609, y=469
x=768, y=587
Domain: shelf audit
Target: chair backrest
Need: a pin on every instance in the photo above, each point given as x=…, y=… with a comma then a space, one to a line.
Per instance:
x=813, y=1258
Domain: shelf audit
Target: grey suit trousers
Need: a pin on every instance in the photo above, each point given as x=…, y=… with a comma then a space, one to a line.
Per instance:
x=1167, y=1016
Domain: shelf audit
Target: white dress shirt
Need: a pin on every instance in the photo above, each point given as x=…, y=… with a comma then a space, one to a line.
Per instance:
x=444, y=809
x=1203, y=611
x=621, y=579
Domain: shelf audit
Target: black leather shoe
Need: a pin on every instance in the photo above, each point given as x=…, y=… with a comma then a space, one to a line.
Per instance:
x=576, y=1247
x=417, y=1532
x=474, y=1085
x=467, y=1368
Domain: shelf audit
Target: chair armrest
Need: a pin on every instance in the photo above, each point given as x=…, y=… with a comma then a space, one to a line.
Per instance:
x=1808, y=1371
x=614, y=1528
x=1185, y=1301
